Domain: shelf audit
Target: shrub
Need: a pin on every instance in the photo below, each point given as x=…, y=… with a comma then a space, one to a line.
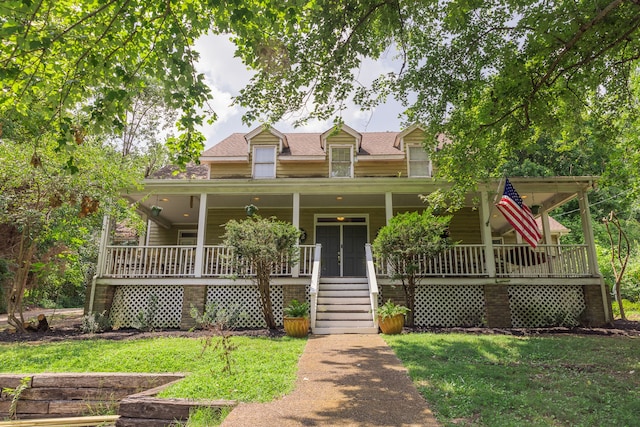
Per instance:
x=95, y=323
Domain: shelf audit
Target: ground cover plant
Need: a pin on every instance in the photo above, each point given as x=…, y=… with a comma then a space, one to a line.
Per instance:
x=262, y=368
x=489, y=380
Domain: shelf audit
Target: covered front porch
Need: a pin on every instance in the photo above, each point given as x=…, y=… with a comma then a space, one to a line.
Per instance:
x=182, y=254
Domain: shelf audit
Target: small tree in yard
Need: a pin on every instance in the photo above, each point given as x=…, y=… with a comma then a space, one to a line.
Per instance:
x=261, y=245
x=404, y=241
x=620, y=254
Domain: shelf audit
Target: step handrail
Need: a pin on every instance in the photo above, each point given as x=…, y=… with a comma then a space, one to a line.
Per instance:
x=315, y=284
x=373, y=282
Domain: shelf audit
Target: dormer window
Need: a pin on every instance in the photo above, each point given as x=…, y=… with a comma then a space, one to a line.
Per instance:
x=341, y=162
x=418, y=159
x=264, y=162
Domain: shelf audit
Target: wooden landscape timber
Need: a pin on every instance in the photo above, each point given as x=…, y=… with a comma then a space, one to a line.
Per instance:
x=63, y=399
x=75, y=394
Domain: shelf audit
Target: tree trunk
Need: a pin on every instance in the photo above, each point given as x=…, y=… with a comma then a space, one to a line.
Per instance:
x=19, y=283
x=410, y=298
x=620, y=252
x=265, y=296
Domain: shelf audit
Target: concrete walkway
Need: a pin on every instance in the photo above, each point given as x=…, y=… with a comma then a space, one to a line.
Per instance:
x=343, y=380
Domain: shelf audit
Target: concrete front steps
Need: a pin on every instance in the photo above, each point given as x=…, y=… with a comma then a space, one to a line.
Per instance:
x=344, y=307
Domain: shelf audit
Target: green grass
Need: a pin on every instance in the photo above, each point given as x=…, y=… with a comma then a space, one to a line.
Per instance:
x=206, y=417
x=497, y=380
x=262, y=369
x=631, y=309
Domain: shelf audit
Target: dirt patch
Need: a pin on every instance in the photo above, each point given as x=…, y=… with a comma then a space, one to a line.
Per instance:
x=65, y=325
x=618, y=328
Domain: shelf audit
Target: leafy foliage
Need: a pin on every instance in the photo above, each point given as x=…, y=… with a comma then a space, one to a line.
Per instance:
x=95, y=323
x=390, y=309
x=491, y=75
x=97, y=55
x=260, y=246
x=297, y=309
x=405, y=240
x=15, y=394
x=49, y=214
x=220, y=321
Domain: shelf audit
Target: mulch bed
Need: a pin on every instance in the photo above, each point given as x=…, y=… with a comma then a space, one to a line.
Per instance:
x=70, y=330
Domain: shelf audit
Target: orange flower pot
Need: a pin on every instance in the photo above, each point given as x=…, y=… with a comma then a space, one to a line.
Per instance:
x=297, y=327
x=391, y=325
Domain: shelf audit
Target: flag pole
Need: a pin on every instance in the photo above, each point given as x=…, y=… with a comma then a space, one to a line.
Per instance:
x=495, y=199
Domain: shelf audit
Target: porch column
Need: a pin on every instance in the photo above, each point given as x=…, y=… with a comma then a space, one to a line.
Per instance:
x=295, y=269
x=202, y=229
x=388, y=205
x=102, y=252
x=546, y=229
x=485, y=231
x=587, y=231
x=104, y=240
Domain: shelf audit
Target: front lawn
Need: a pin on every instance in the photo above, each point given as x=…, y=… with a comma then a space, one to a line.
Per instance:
x=263, y=369
x=498, y=380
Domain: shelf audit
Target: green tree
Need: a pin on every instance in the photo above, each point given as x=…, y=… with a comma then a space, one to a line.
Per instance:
x=97, y=55
x=491, y=75
x=260, y=247
x=405, y=242
x=47, y=213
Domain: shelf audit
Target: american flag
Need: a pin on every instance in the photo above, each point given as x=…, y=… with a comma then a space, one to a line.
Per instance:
x=519, y=215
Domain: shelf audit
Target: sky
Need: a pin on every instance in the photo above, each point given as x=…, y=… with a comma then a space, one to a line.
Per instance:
x=226, y=75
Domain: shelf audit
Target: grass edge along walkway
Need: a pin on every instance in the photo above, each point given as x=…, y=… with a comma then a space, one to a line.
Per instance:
x=512, y=381
x=262, y=369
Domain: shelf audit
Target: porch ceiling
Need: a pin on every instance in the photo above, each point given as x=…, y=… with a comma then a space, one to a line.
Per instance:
x=180, y=200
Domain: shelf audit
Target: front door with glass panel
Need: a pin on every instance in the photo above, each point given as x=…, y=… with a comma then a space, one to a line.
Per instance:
x=342, y=246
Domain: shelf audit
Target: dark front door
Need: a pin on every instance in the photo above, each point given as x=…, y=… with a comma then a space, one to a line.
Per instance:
x=329, y=238
x=342, y=249
x=354, y=238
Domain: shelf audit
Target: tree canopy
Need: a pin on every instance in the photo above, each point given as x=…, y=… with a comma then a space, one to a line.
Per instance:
x=96, y=55
x=491, y=75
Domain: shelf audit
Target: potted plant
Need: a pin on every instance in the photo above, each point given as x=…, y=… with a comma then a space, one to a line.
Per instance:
x=296, y=319
x=391, y=317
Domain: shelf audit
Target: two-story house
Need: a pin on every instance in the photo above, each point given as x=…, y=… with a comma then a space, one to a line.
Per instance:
x=340, y=187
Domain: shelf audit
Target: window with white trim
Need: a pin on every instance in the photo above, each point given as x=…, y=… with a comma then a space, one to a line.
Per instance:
x=187, y=237
x=264, y=162
x=419, y=164
x=341, y=162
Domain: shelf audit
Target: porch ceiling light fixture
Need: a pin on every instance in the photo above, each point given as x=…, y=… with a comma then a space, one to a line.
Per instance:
x=340, y=218
x=339, y=198
x=185, y=214
x=164, y=199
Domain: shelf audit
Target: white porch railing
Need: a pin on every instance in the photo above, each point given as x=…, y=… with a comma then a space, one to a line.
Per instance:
x=373, y=282
x=149, y=261
x=179, y=261
x=544, y=261
x=510, y=261
x=315, y=284
x=460, y=260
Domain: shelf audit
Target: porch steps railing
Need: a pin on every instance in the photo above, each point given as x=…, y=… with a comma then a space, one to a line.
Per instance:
x=344, y=307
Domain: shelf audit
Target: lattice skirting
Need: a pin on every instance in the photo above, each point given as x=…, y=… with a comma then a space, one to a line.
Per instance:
x=247, y=299
x=160, y=306
x=448, y=306
x=537, y=306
